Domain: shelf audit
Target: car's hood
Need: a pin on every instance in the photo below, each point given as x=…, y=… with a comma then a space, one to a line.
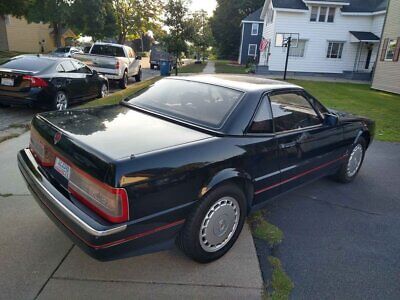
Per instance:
x=117, y=131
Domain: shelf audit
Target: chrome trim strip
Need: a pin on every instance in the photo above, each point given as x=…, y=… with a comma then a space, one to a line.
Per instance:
x=276, y=173
x=86, y=227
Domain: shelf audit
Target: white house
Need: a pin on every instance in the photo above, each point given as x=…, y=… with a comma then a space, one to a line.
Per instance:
x=335, y=37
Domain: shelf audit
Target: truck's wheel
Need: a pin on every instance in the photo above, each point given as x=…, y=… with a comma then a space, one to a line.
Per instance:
x=138, y=76
x=123, y=82
x=152, y=66
x=214, y=226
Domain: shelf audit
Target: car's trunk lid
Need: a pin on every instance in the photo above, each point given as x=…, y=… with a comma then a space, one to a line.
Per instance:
x=12, y=80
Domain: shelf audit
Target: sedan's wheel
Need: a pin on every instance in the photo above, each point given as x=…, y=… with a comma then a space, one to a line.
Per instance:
x=214, y=226
x=104, y=90
x=60, y=101
x=352, y=165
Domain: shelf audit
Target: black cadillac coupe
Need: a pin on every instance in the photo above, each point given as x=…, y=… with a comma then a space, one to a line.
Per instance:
x=184, y=160
x=48, y=82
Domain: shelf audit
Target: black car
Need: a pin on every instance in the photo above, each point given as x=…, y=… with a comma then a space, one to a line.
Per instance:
x=48, y=82
x=184, y=160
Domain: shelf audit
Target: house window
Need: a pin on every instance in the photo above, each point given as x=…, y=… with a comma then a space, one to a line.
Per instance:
x=314, y=13
x=331, y=14
x=335, y=50
x=322, y=14
x=254, y=29
x=252, y=50
x=299, y=50
x=390, y=50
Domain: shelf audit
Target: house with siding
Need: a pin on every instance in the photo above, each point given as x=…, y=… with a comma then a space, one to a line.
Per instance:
x=16, y=34
x=387, y=72
x=252, y=30
x=338, y=38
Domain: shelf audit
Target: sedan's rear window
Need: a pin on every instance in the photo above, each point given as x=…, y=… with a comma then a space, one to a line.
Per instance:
x=199, y=103
x=108, y=50
x=28, y=63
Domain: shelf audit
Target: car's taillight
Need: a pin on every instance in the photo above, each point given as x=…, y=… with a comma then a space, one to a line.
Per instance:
x=110, y=203
x=41, y=150
x=35, y=81
x=117, y=65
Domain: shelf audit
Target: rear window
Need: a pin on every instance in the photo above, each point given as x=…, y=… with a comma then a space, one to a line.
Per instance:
x=199, y=103
x=108, y=50
x=31, y=64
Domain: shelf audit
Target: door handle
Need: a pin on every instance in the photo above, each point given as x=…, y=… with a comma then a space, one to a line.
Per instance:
x=288, y=145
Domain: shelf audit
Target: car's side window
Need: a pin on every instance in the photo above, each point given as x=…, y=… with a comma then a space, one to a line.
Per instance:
x=291, y=110
x=68, y=66
x=262, y=122
x=60, y=69
x=81, y=68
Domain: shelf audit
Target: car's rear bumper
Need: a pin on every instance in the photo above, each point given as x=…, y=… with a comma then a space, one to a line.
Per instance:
x=34, y=98
x=104, y=242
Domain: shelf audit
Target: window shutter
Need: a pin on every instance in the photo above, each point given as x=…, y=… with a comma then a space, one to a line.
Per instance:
x=384, y=48
x=397, y=50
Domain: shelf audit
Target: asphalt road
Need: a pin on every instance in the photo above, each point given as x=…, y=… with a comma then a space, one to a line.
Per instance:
x=23, y=115
x=342, y=241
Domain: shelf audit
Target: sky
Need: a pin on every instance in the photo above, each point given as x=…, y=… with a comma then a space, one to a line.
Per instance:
x=207, y=5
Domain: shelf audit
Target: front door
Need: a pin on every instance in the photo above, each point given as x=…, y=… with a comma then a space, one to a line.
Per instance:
x=308, y=149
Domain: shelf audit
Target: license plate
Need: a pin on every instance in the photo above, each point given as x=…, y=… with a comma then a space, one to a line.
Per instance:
x=7, y=81
x=63, y=168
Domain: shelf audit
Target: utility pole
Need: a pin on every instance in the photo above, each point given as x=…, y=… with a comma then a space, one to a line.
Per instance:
x=288, y=42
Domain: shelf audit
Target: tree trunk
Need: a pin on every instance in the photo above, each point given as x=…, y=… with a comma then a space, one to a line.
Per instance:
x=121, y=38
x=57, y=34
x=176, y=66
x=141, y=42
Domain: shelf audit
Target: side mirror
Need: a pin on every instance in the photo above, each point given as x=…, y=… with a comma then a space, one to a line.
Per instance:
x=331, y=119
x=138, y=57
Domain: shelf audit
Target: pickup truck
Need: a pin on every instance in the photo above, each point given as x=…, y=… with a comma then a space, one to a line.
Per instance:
x=116, y=62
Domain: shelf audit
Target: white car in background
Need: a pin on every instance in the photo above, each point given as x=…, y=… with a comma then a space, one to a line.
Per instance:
x=66, y=51
x=116, y=62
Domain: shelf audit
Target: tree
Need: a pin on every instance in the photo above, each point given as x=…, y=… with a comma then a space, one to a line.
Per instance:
x=177, y=21
x=225, y=24
x=16, y=8
x=202, y=36
x=55, y=12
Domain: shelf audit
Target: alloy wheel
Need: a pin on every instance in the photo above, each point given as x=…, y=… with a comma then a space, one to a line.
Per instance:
x=104, y=90
x=355, y=160
x=61, y=101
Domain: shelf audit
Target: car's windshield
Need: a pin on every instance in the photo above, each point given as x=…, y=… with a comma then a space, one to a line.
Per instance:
x=108, y=50
x=199, y=103
x=28, y=63
x=63, y=50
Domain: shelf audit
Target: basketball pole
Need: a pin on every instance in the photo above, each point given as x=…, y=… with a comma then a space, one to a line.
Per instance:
x=289, y=40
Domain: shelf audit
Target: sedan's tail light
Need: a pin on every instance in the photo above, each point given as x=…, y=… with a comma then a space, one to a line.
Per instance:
x=35, y=81
x=110, y=203
x=41, y=150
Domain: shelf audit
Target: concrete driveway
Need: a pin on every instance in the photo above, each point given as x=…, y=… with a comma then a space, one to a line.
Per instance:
x=342, y=241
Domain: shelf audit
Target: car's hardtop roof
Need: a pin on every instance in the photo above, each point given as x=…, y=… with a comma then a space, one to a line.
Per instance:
x=244, y=83
x=43, y=57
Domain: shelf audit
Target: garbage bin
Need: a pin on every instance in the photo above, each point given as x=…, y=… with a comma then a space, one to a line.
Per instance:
x=165, y=67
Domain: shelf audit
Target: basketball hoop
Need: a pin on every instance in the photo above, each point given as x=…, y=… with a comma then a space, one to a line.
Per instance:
x=282, y=38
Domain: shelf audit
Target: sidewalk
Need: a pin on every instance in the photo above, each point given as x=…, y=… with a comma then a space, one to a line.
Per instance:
x=36, y=259
x=210, y=68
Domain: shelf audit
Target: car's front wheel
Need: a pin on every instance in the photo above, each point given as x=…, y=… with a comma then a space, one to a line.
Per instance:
x=138, y=76
x=60, y=101
x=350, y=168
x=123, y=82
x=103, y=90
x=215, y=224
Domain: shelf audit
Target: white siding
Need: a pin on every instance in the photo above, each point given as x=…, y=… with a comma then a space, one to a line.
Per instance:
x=317, y=35
x=268, y=33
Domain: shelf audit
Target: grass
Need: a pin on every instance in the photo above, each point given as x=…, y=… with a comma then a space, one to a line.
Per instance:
x=228, y=67
x=281, y=284
x=264, y=230
x=115, y=98
x=192, y=68
x=360, y=99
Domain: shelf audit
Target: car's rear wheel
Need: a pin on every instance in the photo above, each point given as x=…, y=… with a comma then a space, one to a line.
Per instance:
x=60, y=101
x=215, y=224
x=152, y=66
x=103, y=90
x=350, y=168
x=138, y=76
x=123, y=82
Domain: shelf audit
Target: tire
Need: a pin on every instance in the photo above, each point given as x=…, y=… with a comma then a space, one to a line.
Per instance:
x=138, y=76
x=4, y=105
x=152, y=66
x=103, y=90
x=225, y=208
x=60, y=101
x=350, y=168
x=123, y=82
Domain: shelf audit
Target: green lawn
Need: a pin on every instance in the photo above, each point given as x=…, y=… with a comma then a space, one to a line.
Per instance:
x=226, y=66
x=192, y=68
x=360, y=99
x=115, y=98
